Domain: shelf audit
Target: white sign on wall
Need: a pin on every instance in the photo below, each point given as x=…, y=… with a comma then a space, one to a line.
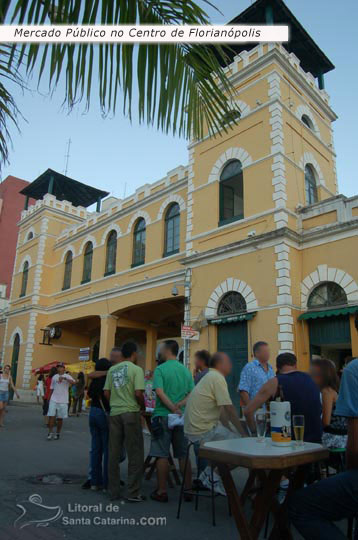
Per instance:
x=187, y=332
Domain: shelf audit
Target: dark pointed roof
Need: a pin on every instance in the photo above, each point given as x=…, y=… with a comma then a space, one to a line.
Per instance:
x=64, y=189
x=312, y=58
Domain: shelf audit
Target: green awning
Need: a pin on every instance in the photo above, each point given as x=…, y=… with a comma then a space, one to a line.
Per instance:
x=233, y=318
x=328, y=313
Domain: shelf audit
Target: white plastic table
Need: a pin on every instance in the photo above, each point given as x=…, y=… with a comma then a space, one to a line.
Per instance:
x=268, y=463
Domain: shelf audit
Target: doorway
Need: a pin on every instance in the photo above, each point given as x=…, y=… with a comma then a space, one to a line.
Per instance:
x=233, y=340
x=330, y=337
x=14, y=362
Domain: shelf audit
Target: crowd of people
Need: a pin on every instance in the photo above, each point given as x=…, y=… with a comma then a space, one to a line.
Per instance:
x=197, y=408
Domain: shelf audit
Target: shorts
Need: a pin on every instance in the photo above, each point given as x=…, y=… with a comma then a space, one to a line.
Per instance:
x=39, y=392
x=217, y=433
x=161, y=441
x=4, y=396
x=58, y=409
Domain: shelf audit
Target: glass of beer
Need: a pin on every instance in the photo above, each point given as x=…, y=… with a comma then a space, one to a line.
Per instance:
x=260, y=420
x=298, y=421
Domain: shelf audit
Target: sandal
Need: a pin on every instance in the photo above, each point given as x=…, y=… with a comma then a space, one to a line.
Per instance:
x=159, y=497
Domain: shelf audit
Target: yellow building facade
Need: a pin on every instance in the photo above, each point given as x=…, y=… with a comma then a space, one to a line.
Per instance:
x=250, y=241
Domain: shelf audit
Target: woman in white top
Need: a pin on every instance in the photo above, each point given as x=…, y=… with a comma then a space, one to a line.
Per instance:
x=40, y=388
x=6, y=383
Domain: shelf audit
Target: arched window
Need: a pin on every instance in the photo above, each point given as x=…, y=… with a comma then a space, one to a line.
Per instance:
x=231, y=192
x=25, y=277
x=327, y=294
x=68, y=271
x=310, y=185
x=172, y=230
x=139, y=243
x=87, y=263
x=231, y=304
x=111, y=254
x=307, y=121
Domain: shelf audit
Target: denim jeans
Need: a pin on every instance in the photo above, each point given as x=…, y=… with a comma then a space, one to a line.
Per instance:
x=313, y=510
x=98, y=423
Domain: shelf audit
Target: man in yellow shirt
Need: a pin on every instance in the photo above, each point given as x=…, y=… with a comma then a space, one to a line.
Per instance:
x=210, y=414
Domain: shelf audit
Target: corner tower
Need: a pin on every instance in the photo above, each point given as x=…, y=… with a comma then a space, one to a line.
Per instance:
x=283, y=143
x=60, y=203
x=248, y=187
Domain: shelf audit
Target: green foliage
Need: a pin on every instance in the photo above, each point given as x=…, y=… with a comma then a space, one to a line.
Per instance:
x=182, y=88
x=9, y=112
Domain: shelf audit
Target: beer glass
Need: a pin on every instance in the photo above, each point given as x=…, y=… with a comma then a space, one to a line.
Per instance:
x=298, y=421
x=260, y=420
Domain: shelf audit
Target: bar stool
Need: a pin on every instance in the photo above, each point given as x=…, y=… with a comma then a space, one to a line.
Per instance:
x=195, y=491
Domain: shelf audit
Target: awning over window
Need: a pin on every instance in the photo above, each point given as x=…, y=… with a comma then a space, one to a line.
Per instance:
x=328, y=313
x=233, y=318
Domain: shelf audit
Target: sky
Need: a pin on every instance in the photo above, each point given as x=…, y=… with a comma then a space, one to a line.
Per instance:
x=117, y=156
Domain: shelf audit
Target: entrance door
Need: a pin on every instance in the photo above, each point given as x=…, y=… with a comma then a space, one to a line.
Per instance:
x=232, y=339
x=331, y=337
x=330, y=330
x=14, y=361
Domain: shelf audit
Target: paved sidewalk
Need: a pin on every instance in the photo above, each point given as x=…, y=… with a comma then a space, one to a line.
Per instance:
x=26, y=454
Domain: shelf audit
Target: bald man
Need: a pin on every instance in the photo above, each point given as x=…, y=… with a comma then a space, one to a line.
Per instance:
x=209, y=413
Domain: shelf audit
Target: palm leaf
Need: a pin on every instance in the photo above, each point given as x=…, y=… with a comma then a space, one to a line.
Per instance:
x=9, y=112
x=180, y=88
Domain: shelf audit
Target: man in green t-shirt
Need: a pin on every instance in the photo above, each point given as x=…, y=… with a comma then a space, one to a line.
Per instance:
x=172, y=383
x=124, y=389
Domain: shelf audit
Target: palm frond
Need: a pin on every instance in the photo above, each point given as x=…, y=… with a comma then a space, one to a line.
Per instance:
x=180, y=88
x=9, y=111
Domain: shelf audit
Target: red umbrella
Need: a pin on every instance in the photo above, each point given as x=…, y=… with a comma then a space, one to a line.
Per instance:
x=44, y=369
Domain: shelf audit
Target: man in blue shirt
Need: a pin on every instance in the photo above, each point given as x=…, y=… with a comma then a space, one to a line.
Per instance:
x=314, y=510
x=256, y=373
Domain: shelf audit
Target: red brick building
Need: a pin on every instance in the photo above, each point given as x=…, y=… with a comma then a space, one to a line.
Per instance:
x=11, y=205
